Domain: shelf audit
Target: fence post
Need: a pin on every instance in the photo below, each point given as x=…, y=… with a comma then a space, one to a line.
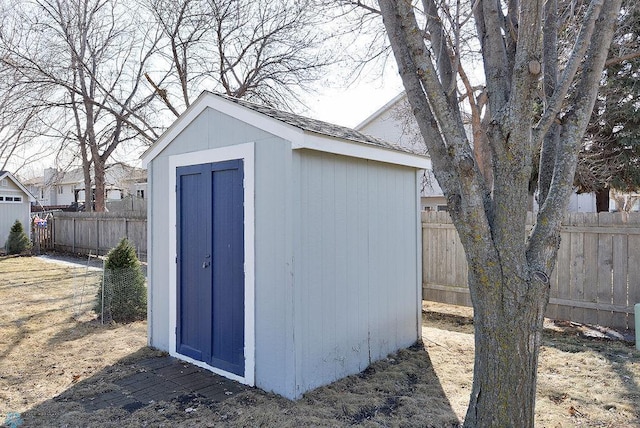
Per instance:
x=73, y=242
x=637, y=317
x=97, y=236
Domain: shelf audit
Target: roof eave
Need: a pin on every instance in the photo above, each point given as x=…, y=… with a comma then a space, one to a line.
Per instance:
x=324, y=143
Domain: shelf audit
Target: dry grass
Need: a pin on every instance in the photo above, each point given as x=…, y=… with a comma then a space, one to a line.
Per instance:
x=581, y=381
x=46, y=351
x=49, y=338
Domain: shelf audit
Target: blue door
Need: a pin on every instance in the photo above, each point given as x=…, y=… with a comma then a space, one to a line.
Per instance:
x=210, y=233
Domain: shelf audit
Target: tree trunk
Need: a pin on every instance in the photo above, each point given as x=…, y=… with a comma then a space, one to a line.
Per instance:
x=602, y=200
x=98, y=174
x=508, y=328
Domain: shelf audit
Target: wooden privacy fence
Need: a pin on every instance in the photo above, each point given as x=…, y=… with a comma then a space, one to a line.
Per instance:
x=97, y=233
x=597, y=274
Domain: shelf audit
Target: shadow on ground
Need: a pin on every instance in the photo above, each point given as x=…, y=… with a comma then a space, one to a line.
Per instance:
x=614, y=348
x=149, y=388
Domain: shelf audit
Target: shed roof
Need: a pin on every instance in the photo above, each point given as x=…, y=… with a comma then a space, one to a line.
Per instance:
x=320, y=127
x=302, y=132
x=7, y=174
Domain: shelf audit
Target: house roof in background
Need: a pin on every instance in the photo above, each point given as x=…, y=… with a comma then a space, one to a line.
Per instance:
x=395, y=100
x=302, y=132
x=7, y=174
x=114, y=174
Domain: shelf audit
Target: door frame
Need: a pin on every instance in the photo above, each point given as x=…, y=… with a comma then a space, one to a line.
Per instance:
x=245, y=152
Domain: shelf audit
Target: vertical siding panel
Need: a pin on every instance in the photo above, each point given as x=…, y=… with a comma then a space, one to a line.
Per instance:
x=314, y=263
x=375, y=242
x=361, y=266
x=328, y=257
x=300, y=320
x=408, y=242
x=343, y=331
x=159, y=264
x=384, y=284
x=395, y=280
x=350, y=244
x=273, y=298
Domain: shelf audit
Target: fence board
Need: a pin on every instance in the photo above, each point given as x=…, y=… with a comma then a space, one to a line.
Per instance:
x=576, y=263
x=596, y=279
x=590, y=243
x=605, y=262
x=563, y=269
x=633, y=272
x=619, y=277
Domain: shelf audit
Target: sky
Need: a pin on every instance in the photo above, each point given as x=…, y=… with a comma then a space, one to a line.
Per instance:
x=352, y=105
x=347, y=106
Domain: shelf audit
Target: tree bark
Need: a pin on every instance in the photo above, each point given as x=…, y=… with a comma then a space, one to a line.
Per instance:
x=509, y=266
x=507, y=345
x=98, y=174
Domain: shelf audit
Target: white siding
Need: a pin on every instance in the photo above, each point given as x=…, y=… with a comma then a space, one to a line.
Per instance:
x=12, y=211
x=355, y=265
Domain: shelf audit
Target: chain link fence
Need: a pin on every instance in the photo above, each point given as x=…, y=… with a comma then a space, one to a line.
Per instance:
x=114, y=295
x=122, y=295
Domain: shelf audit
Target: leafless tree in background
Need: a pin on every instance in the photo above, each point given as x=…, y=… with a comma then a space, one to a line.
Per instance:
x=89, y=56
x=265, y=51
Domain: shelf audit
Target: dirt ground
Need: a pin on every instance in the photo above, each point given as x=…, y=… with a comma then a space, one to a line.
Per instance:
x=52, y=346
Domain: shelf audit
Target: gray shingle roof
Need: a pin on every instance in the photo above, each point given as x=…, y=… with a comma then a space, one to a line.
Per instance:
x=319, y=127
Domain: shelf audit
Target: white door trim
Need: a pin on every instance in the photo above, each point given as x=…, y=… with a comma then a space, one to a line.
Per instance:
x=246, y=152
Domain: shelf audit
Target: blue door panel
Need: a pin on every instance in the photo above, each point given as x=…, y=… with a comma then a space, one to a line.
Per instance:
x=193, y=290
x=228, y=271
x=211, y=264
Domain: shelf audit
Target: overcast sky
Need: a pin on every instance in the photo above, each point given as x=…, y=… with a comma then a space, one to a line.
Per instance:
x=351, y=106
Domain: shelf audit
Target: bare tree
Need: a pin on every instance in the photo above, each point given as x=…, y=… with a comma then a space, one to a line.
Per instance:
x=90, y=55
x=539, y=97
x=261, y=50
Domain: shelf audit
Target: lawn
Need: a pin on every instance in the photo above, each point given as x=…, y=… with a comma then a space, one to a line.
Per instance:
x=52, y=346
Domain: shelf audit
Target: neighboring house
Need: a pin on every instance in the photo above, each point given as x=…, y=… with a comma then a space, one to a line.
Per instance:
x=284, y=252
x=15, y=203
x=394, y=122
x=58, y=189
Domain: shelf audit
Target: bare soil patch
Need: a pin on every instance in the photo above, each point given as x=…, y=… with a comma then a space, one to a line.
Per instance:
x=52, y=355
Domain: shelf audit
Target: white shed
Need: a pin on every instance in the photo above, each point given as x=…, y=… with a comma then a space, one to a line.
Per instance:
x=284, y=252
x=15, y=204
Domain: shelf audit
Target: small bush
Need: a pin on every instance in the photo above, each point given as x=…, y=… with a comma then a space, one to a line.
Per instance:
x=18, y=241
x=125, y=294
